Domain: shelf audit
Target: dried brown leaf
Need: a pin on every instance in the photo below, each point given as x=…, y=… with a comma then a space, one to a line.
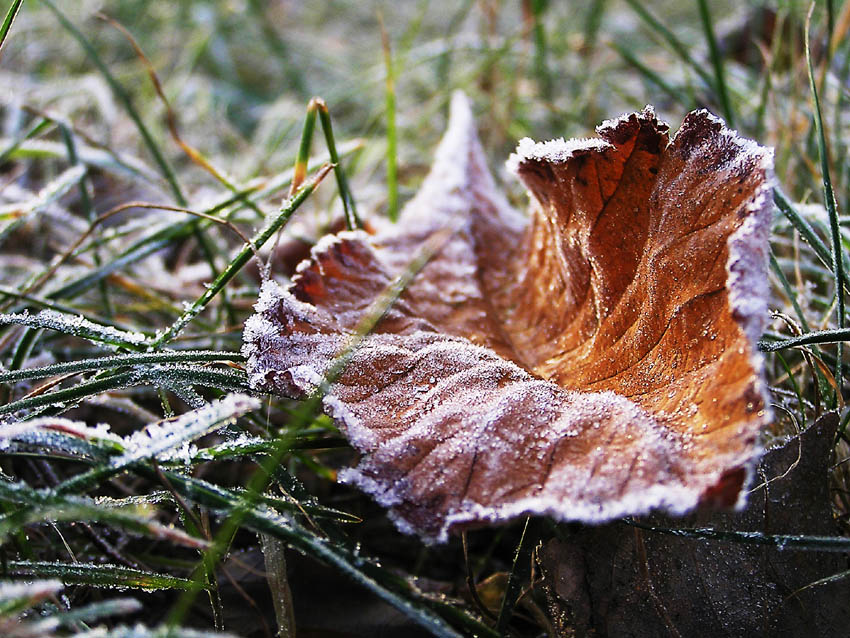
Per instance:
x=594, y=361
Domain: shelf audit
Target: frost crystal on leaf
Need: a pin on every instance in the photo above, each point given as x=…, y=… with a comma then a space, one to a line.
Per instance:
x=592, y=361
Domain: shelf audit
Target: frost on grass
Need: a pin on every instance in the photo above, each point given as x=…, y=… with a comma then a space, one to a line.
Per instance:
x=592, y=361
x=171, y=439
x=77, y=326
x=73, y=438
x=33, y=591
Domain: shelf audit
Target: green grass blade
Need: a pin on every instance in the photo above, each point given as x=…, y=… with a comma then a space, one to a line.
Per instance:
x=541, y=66
x=19, y=213
x=120, y=361
x=780, y=541
x=829, y=200
x=390, y=588
x=95, y=575
x=651, y=76
x=352, y=220
x=8, y=20
x=70, y=396
x=78, y=326
x=299, y=173
x=519, y=570
x=821, y=336
x=716, y=62
x=160, y=438
x=392, y=133
x=48, y=506
x=41, y=126
x=789, y=292
x=94, y=612
x=808, y=234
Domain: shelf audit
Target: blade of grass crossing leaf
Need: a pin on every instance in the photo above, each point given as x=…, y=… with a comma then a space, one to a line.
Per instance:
x=829, y=201
x=125, y=99
x=716, y=62
x=8, y=20
x=261, y=478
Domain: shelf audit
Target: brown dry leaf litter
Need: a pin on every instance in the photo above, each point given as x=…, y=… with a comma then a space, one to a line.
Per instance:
x=592, y=361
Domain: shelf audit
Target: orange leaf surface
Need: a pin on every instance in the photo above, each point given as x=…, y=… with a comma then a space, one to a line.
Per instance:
x=592, y=360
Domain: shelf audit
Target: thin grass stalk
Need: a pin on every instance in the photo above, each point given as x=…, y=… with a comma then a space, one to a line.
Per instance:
x=352, y=220
x=829, y=201
x=88, y=208
x=716, y=62
x=789, y=291
x=299, y=172
x=821, y=336
x=392, y=133
x=519, y=569
x=119, y=361
x=780, y=541
x=823, y=252
x=541, y=68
